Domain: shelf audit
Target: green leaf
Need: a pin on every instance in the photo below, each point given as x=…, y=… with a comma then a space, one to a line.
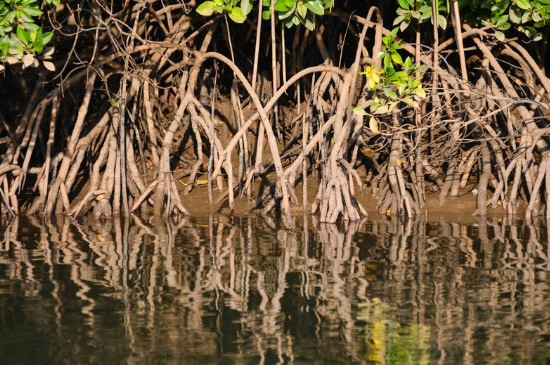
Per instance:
x=38, y=45
x=514, y=17
x=442, y=21
x=390, y=93
x=46, y=37
x=287, y=14
x=359, y=111
x=309, y=21
x=246, y=6
x=387, y=61
x=22, y=34
x=426, y=12
x=500, y=36
x=281, y=6
x=33, y=35
x=399, y=19
x=236, y=14
x=315, y=6
x=375, y=104
x=523, y=4
x=404, y=4
x=26, y=18
x=301, y=10
x=208, y=8
x=32, y=11
x=396, y=58
x=5, y=48
x=382, y=109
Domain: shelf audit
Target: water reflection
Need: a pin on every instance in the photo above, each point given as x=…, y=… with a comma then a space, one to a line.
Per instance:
x=246, y=290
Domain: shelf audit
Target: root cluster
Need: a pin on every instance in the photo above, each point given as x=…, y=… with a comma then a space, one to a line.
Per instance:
x=142, y=120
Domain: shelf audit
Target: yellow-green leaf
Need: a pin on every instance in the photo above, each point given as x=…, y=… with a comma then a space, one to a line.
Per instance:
x=207, y=8
x=373, y=125
x=359, y=111
x=236, y=14
x=382, y=109
x=393, y=105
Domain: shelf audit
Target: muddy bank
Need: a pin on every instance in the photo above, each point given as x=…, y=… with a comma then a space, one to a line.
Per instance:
x=459, y=209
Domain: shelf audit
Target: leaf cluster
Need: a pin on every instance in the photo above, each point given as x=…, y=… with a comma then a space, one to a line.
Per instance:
x=400, y=81
x=21, y=37
x=289, y=12
x=419, y=11
x=526, y=16
x=237, y=10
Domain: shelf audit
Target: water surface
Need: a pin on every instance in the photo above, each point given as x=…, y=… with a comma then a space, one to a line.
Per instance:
x=246, y=291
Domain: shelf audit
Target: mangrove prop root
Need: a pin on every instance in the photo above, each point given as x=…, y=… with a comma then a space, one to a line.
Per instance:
x=122, y=129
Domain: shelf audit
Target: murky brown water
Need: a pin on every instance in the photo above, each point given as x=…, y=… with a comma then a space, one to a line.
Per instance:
x=247, y=291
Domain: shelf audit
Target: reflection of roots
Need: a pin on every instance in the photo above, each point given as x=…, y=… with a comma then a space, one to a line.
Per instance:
x=317, y=273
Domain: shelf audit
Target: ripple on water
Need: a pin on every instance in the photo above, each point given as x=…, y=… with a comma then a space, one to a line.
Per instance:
x=247, y=291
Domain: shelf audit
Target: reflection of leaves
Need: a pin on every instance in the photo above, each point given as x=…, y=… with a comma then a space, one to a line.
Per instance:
x=390, y=342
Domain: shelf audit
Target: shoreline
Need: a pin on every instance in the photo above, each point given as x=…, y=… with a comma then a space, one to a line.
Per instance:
x=455, y=209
